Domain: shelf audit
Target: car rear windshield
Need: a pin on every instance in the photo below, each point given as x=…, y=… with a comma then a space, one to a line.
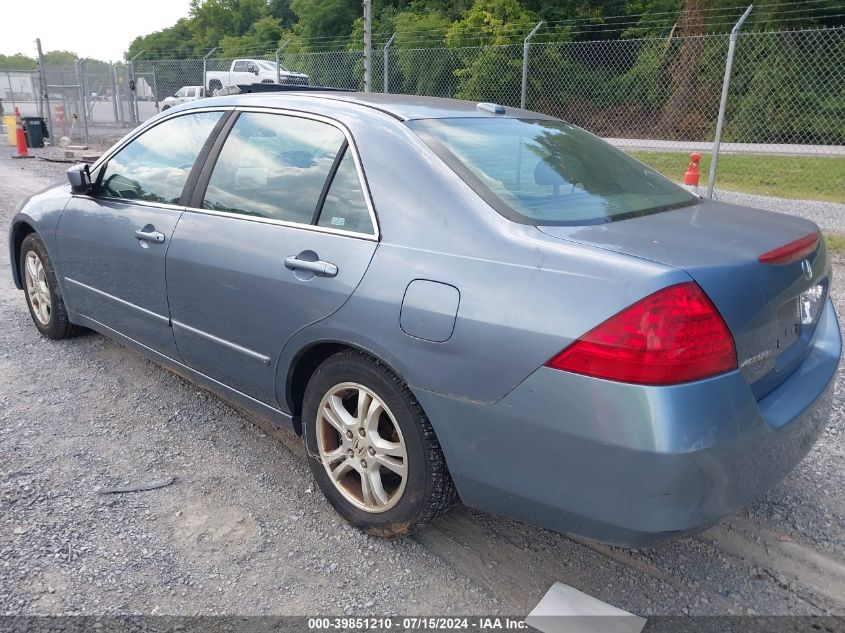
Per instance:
x=546, y=172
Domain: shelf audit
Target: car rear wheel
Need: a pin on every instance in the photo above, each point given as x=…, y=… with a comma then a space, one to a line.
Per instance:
x=46, y=306
x=371, y=447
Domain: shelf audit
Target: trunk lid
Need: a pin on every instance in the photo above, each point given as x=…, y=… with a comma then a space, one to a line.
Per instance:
x=718, y=245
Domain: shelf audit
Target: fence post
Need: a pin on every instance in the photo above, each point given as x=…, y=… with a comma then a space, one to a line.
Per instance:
x=82, y=89
x=155, y=87
x=132, y=87
x=368, y=46
x=113, y=82
x=118, y=102
x=80, y=71
x=133, y=91
x=11, y=89
x=205, y=69
x=387, y=63
x=525, y=46
x=45, y=90
x=279, y=61
x=723, y=103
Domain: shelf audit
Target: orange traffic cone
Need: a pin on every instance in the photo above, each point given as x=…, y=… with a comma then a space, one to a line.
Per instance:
x=21, y=137
x=691, y=175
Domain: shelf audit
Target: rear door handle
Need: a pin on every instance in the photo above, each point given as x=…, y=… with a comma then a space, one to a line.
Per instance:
x=319, y=268
x=149, y=234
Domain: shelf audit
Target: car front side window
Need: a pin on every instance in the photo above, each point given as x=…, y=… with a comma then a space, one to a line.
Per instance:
x=273, y=166
x=155, y=166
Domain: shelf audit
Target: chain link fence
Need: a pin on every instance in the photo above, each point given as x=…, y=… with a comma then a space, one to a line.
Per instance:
x=647, y=93
x=787, y=90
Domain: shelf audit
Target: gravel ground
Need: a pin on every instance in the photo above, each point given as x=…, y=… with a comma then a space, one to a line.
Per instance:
x=243, y=530
x=830, y=216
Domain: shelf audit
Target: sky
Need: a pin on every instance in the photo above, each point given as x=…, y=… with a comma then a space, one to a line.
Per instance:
x=100, y=29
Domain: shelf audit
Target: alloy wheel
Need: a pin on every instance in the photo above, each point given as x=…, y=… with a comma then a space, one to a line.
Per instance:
x=361, y=447
x=37, y=288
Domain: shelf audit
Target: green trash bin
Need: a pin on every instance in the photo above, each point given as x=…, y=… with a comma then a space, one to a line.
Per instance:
x=34, y=131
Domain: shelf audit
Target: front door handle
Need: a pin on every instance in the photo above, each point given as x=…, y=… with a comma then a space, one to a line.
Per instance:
x=149, y=234
x=319, y=268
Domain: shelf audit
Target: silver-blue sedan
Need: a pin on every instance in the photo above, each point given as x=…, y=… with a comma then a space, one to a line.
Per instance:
x=451, y=300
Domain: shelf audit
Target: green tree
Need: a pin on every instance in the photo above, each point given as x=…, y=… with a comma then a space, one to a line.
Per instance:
x=281, y=10
x=18, y=61
x=491, y=23
x=324, y=23
x=175, y=41
x=60, y=58
x=491, y=61
x=212, y=20
x=263, y=36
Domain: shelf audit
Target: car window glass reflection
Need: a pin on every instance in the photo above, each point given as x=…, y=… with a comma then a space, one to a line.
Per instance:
x=550, y=172
x=345, y=207
x=273, y=166
x=155, y=166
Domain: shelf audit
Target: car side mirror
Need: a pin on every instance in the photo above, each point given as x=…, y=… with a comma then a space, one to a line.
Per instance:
x=79, y=177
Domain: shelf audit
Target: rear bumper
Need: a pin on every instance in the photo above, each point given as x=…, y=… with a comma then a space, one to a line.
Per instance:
x=632, y=465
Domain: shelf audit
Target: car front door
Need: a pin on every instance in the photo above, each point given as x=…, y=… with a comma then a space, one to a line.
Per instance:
x=112, y=243
x=279, y=233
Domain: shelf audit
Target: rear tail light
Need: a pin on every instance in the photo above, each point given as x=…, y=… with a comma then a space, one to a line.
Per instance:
x=791, y=252
x=674, y=335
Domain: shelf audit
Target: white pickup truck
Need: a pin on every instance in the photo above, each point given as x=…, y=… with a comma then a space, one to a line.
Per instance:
x=183, y=95
x=251, y=71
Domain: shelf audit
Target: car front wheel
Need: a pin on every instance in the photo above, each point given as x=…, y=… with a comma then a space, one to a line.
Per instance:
x=371, y=447
x=43, y=296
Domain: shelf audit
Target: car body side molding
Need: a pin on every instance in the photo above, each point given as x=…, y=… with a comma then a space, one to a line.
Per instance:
x=149, y=313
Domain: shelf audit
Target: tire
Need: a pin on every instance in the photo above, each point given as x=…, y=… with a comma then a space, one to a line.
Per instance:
x=163, y=108
x=400, y=507
x=213, y=85
x=52, y=321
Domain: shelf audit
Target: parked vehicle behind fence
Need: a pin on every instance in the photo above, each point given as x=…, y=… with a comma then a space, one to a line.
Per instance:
x=248, y=71
x=449, y=299
x=183, y=95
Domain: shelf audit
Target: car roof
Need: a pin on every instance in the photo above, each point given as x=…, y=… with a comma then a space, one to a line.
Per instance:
x=403, y=107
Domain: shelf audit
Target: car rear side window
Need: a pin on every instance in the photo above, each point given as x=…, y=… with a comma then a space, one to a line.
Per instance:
x=537, y=171
x=273, y=166
x=345, y=206
x=155, y=166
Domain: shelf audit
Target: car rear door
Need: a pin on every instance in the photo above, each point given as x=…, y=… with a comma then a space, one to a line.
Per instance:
x=278, y=234
x=112, y=243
